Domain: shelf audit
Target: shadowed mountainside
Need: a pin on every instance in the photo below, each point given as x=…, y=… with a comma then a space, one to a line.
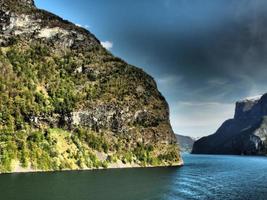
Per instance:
x=185, y=143
x=245, y=134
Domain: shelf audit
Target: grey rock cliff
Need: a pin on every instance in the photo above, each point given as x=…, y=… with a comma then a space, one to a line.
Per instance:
x=245, y=134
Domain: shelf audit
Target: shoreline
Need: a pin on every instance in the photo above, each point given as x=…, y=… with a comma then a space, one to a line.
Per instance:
x=32, y=171
x=244, y=155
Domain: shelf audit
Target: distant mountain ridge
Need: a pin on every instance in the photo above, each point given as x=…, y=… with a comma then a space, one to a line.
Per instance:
x=185, y=143
x=245, y=134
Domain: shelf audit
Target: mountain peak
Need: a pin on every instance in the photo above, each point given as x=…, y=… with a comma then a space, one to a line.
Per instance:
x=251, y=98
x=16, y=3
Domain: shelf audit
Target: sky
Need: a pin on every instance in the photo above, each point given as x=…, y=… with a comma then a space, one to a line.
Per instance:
x=204, y=54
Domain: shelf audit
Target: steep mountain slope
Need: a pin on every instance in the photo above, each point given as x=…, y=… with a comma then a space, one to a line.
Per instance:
x=245, y=134
x=185, y=142
x=67, y=103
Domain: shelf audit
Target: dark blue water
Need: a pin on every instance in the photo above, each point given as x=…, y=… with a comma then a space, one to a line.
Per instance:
x=202, y=177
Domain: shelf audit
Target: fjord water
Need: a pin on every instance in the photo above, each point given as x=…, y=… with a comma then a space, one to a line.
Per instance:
x=202, y=177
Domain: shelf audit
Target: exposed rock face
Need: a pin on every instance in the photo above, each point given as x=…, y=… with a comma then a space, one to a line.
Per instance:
x=245, y=134
x=56, y=75
x=185, y=143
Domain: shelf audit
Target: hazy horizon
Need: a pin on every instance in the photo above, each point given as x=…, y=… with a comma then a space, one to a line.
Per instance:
x=204, y=55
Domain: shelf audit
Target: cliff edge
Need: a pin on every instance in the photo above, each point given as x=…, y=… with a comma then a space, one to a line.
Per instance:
x=245, y=134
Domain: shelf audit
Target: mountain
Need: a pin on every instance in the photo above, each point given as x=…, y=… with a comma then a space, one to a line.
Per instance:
x=67, y=103
x=185, y=142
x=245, y=134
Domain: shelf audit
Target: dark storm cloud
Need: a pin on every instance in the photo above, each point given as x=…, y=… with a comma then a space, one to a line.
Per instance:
x=237, y=42
x=204, y=54
x=233, y=48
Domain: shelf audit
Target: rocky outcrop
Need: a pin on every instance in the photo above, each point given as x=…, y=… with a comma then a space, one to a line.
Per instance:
x=245, y=134
x=57, y=78
x=185, y=143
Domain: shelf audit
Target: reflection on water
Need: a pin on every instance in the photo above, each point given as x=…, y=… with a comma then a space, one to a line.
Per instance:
x=202, y=177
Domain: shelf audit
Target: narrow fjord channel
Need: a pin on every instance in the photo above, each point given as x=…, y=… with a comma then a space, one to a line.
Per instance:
x=202, y=177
